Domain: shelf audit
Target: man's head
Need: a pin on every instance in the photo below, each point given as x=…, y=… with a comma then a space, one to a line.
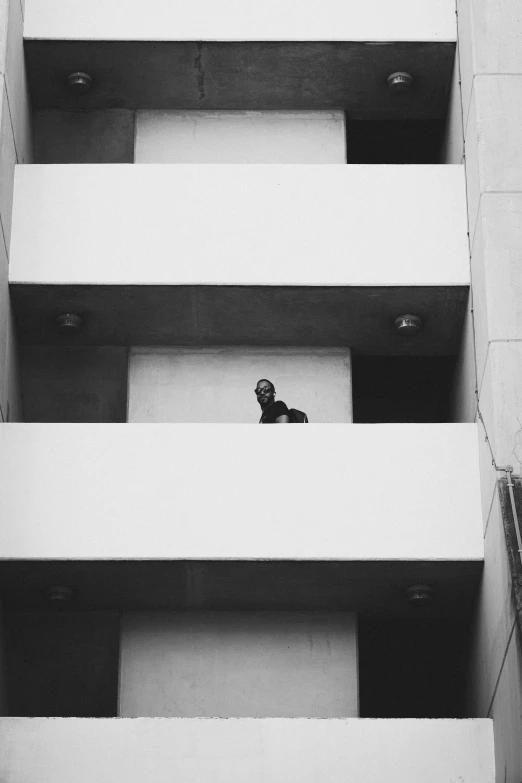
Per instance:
x=265, y=392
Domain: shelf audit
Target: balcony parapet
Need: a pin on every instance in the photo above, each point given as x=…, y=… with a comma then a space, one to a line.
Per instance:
x=43, y=750
x=222, y=20
x=210, y=492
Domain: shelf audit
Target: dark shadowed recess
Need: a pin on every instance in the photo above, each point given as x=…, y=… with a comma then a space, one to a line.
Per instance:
x=394, y=141
x=62, y=664
x=413, y=668
x=399, y=389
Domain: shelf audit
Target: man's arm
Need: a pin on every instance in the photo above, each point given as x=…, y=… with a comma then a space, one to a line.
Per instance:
x=284, y=419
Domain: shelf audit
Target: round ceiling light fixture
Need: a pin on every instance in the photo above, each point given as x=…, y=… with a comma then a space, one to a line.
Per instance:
x=79, y=82
x=68, y=323
x=400, y=81
x=419, y=595
x=408, y=325
x=59, y=594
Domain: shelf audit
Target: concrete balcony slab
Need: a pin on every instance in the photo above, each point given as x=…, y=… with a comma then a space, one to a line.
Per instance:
x=229, y=55
x=361, y=513
x=242, y=254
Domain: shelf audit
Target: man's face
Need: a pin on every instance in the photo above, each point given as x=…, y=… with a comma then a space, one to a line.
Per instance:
x=264, y=393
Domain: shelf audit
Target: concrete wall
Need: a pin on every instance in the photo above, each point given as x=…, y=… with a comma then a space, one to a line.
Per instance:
x=239, y=664
x=452, y=151
x=410, y=20
x=217, y=384
x=84, y=136
x=74, y=383
x=490, y=370
x=240, y=137
x=254, y=224
x=62, y=663
x=88, y=491
x=232, y=751
x=15, y=147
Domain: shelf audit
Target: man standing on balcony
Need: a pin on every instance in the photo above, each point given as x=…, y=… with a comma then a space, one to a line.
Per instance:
x=272, y=411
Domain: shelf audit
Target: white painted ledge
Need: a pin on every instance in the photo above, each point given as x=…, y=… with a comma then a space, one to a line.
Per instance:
x=232, y=224
x=243, y=20
x=199, y=491
x=65, y=750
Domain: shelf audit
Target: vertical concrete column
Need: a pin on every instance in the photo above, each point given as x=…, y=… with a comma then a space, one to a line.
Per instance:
x=490, y=63
x=15, y=147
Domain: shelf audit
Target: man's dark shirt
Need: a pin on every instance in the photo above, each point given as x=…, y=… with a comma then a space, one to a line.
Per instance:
x=270, y=414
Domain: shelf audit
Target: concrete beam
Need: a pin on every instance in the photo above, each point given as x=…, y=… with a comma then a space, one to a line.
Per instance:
x=322, y=75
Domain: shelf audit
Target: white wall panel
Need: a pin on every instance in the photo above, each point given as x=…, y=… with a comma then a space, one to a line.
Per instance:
x=176, y=491
x=246, y=20
x=238, y=664
x=240, y=224
x=240, y=137
x=43, y=750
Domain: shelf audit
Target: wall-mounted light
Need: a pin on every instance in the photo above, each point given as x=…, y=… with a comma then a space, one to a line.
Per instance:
x=419, y=595
x=408, y=325
x=400, y=81
x=79, y=82
x=59, y=594
x=68, y=323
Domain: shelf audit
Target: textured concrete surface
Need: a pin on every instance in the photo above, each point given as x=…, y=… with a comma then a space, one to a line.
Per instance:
x=238, y=665
x=166, y=315
x=375, y=587
x=84, y=136
x=200, y=481
x=15, y=147
x=240, y=137
x=489, y=36
x=74, y=384
x=490, y=68
x=285, y=75
x=493, y=152
x=232, y=751
x=292, y=225
x=62, y=663
x=222, y=20
x=514, y=577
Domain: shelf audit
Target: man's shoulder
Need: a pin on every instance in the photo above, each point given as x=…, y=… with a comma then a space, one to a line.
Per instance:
x=276, y=409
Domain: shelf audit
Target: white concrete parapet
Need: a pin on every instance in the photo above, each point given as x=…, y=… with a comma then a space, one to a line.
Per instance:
x=330, y=225
x=65, y=750
x=210, y=492
x=227, y=20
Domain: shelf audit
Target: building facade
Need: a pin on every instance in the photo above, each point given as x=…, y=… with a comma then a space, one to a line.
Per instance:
x=195, y=196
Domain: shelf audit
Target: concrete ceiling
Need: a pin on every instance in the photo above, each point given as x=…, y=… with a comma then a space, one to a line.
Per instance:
x=371, y=586
x=360, y=317
x=245, y=75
